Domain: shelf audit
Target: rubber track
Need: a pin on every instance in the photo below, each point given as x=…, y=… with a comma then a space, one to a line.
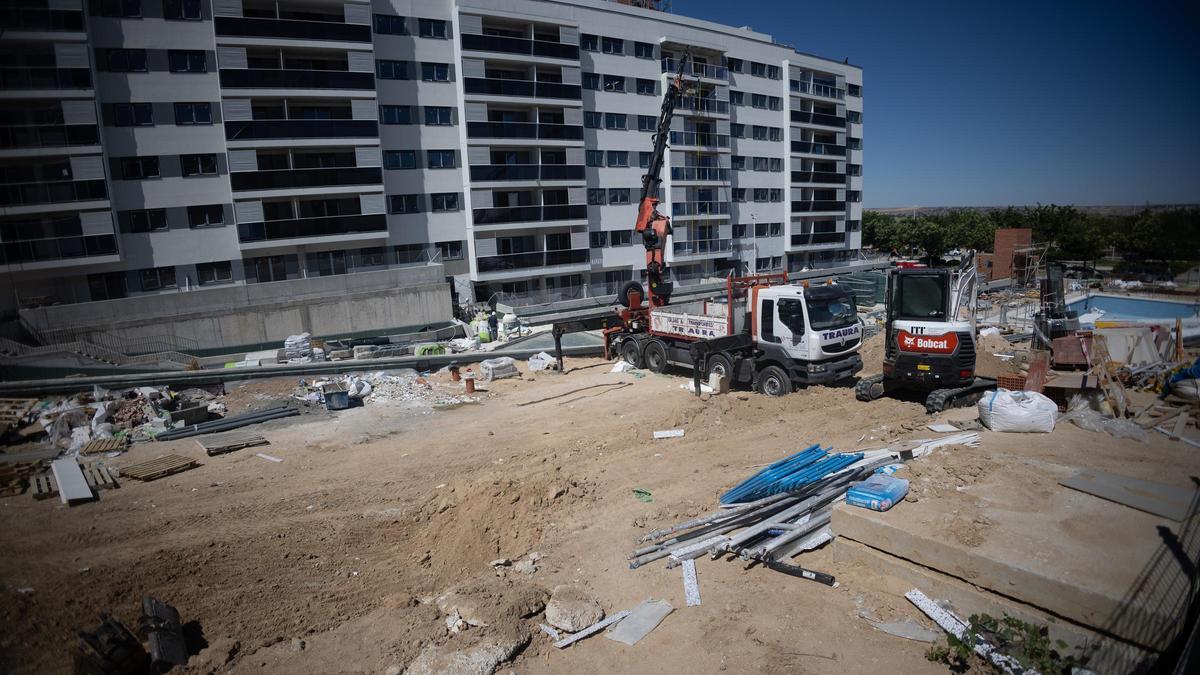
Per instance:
x=862, y=390
x=940, y=399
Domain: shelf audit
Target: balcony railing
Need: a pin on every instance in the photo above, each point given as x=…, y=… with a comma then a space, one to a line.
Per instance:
x=493, y=172
x=815, y=238
x=529, y=214
x=304, y=178
x=819, y=148
x=818, y=177
x=806, y=87
x=705, y=105
x=511, y=45
x=710, y=174
x=800, y=206
x=24, y=194
x=527, y=88
x=45, y=78
x=240, y=130
x=36, y=19
x=568, y=132
x=228, y=26
x=49, y=135
x=36, y=250
x=699, y=139
x=519, y=261
x=803, y=117
x=296, y=228
x=562, y=172
x=703, y=246
x=700, y=208
x=267, y=78
x=670, y=65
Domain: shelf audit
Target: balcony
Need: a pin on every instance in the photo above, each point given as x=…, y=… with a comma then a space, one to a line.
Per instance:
x=298, y=228
x=266, y=78
x=699, y=209
x=529, y=214
x=304, y=178
x=524, y=130
x=48, y=136
x=45, y=78
x=704, y=174
x=819, y=148
x=699, y=139
x=799, y=206
x=816, y=238
x=818, y=177
x=41, y=20
x=702, y=247
x=509, y=45
x=288, y=29
x=514, y=172
x=27, y=194
x=824, y=90
x=520, y=261
x=525, y=88
x=244, y=130
x=703, y=105
x=802, y=117
x=38, y=250
x=696, y=69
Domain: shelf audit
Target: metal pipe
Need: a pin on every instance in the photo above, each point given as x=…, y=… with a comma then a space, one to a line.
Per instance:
x=766, y=551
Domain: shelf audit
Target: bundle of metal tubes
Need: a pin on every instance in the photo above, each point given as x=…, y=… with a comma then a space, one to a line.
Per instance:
x=227, y=423
x=769, y=529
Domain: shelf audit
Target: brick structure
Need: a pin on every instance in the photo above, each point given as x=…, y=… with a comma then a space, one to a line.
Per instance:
x=999, y=263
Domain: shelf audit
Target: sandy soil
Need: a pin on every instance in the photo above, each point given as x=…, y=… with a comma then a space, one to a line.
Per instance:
x=377, y=510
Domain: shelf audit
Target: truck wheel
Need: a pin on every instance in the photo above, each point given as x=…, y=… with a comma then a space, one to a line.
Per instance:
x=631, y=351
x=655, y=356
x=721, y=365
x=628, y=288
x=773, y=381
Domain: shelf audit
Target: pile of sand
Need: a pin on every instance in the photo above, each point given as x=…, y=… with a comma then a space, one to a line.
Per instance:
x=987, y=364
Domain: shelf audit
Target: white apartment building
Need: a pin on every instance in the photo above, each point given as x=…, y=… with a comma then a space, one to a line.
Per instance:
x=153, y=146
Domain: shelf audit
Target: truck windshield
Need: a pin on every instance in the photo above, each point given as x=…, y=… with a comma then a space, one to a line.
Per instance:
x=922, y=296
x=830, y=307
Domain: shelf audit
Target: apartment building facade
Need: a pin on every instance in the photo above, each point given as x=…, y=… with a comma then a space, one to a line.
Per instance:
x=155, y=146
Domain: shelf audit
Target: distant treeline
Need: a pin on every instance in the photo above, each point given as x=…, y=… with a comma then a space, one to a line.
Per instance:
x=1151, y=235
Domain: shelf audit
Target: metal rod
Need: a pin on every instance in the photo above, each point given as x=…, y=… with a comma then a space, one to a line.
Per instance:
x=797, y=571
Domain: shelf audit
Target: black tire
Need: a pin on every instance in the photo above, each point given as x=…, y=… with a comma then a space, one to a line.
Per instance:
x=627, y=288
x=773, y=381
x=631, y=351
x=654, y=354
x=719, y=363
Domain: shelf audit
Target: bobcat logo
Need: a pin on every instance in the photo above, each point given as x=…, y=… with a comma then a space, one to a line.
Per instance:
x=909, y=341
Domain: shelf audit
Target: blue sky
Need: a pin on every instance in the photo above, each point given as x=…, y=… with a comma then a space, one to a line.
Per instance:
x=995, y=103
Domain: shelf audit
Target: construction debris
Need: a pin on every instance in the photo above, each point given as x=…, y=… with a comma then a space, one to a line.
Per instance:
x=159, y=467
x=640, y=621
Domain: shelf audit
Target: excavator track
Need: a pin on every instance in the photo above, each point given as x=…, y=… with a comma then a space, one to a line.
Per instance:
x=869, y=388
x=957, y=397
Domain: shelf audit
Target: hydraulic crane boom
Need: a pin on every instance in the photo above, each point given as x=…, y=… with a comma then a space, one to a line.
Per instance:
x=654, y=226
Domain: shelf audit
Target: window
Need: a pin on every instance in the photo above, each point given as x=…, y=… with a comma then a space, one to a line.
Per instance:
x=760, y=164
x=594, y=158
x=396, y=114
x=758, y=69
x=776, y=164
x=198, y=165
x=400, y=159
x=214, y=272
x=758, y=101
x=854, y=143
x=612, y=45
x=591, y=81
x=618, y=195
x=737, y=97
x=127, y=60
x=438, y=116
x=187, y=10
x=133, y=114
x=737, y=130
x=739, y=194
x=614, y=121
x=450, y=250
x=595, y=197
x=431, y=28
x=137, y=168
x=386, y=24
x=620, y=238
x=404, y=204
x=854, y=89
x=775, y=103
x=187, y=61
x=773, y=72
x=768, y=328
x=597, y=239
x=854, y=169
x=375, y=256
x=735, y=65
x=593, y=120
x=443, y=201
x=614, y=83
x=618, y=158
x=644, y=160
x=760, y=229
x=776, y=134
x=759, y=194
x=193, y=113
x=589, y=43
x=854, y=196
x=435, y=72
x=643, y=50
x=759, y=133
x=775, y=195
x=854, y=116
x=146, y=220
x=156, y=278
x=121, y=9
x=647, y=123
x=391, y=70
x=645, y=87
x=206, y=215
x=439, y=159
x=739, y=230
x=737, y=162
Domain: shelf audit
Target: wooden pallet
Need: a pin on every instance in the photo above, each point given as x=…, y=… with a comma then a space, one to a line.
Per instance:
x=13, y=410
x=98, y=477
x=219, y=444
x=13, y=478
x=102, y=445
x=154, y=469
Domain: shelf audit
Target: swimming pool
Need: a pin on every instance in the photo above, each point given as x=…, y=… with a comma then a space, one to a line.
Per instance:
x=1117, y=308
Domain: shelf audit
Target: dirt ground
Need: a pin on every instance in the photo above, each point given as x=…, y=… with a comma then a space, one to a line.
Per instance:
x=331, y=561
